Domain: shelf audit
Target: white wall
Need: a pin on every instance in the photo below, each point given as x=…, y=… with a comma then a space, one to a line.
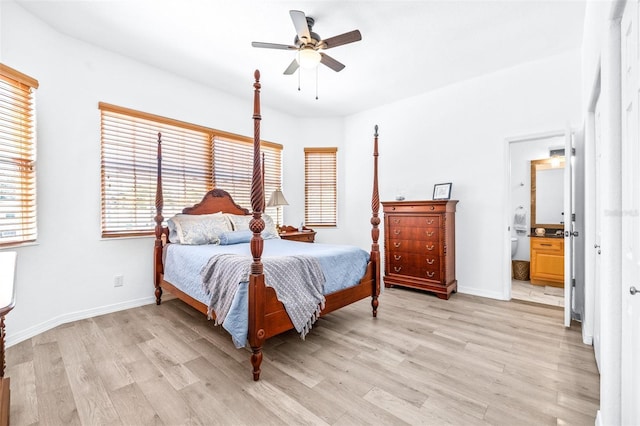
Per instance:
x=457, y=134
x=69, y=272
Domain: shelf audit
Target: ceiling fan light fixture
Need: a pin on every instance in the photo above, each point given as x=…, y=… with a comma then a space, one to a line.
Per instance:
x=309, y=58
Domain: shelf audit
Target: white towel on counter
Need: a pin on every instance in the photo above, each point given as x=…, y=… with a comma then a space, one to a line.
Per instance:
x=520, y=220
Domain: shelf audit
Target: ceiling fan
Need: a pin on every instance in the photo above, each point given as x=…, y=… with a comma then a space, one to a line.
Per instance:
x=310, y=46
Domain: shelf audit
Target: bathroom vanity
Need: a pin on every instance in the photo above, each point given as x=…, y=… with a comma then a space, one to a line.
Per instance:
x=547, y=260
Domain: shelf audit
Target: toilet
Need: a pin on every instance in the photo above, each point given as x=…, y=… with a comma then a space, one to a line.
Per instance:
x=514, y=246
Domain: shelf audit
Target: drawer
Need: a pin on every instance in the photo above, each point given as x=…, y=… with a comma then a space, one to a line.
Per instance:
x=415, y=208
x=413, y=246
x=432, y=221
x=553, y=244
x=414, y=233
x=417, y=265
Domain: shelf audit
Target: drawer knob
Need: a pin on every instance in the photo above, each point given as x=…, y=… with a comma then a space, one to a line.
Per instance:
x=430, y=274
x=397, y=268
x=430, y=233
x=431, y=247
x=396, y=221
x=433, y=207
x=429, y=221
x=396, y=231
x=396, y=245
x=397, y=256
x=430, y=261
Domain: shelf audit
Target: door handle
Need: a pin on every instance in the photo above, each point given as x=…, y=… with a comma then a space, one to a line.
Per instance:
x=633, y=290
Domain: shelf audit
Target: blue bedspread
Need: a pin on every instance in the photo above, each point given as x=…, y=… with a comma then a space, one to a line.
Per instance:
x=343, y=267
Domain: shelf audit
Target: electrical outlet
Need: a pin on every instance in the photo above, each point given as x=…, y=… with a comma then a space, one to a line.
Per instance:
x=118, y=281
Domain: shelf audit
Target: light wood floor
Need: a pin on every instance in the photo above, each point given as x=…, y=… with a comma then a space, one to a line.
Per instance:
x=548, y=295
x=464, y=361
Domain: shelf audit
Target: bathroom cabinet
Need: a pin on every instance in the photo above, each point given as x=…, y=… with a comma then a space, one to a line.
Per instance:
x=419, y=245
x=547, y=261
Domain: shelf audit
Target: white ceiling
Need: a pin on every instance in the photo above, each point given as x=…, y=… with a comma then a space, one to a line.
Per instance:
x=407, y=47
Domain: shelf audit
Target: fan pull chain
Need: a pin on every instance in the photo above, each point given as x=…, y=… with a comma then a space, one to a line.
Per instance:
x=299, y=70
x=317, y=83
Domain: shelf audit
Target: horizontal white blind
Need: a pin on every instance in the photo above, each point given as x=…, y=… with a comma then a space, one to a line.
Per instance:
x=17, y=157
x=320, y=188
x=129, y=167
x=233, y=170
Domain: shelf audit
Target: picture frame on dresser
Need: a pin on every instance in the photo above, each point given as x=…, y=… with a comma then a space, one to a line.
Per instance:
x=442, y=191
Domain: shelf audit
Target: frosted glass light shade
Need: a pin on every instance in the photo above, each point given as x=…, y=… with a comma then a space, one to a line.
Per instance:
x=309, y=58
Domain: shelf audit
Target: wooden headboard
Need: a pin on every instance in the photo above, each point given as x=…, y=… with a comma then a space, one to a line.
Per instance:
x=214, y=201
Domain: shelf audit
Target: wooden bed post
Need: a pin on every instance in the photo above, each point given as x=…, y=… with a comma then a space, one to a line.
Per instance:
x=157, y=249
x=375, y=231
x=257, y=290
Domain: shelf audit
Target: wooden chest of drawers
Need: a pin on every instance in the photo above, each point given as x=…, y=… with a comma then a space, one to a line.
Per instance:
x=419, y=243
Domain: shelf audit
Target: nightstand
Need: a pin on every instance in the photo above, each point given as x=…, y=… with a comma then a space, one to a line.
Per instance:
x=307, y=235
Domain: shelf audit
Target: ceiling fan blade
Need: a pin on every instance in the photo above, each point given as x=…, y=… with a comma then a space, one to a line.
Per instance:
x=341, y=39
x=293, y=66
x=300, y=22
x=273, y=46
x=330, y=62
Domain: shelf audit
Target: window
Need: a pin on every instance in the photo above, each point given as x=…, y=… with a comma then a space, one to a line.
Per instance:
x=17, y=157
x=233, y=170
x=320, y=186
x=129, y=163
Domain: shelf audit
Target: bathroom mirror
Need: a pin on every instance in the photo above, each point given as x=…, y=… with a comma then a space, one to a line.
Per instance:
x=547, y=193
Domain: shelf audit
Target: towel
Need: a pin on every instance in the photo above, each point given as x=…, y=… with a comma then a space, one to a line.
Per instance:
x=520, y=220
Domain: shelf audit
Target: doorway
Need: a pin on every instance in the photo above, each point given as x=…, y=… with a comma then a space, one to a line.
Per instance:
x=523, y=192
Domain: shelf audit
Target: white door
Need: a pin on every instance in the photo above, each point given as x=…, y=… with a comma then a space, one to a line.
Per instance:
x=598, y=225
x=630, y=195
x=568, y=227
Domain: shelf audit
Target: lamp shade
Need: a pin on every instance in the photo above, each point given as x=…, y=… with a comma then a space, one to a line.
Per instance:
x=309, y=58
x=277, y=199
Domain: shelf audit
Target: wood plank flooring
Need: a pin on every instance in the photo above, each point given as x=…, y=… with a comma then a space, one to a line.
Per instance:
x=465, y=361
x=547, y=295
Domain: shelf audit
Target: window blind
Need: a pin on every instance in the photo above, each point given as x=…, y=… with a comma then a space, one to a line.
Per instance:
x=17, y=157
x=320, y=186
x=233, y=170
x=129, y=167
x=195, y=159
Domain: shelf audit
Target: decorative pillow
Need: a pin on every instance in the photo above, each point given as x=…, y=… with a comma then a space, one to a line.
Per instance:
x=270, y=230
x=235, y=237
x=198, y=229
x=241, y=223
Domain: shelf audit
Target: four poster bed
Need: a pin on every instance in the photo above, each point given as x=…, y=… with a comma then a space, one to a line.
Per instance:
x=253, y=307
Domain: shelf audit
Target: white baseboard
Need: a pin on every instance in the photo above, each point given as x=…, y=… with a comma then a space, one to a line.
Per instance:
x=482, y=293
x=15, y=338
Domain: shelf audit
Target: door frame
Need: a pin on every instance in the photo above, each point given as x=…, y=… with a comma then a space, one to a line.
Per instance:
x=508, y=213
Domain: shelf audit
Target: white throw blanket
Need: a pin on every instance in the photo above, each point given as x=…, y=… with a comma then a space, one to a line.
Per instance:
x=297, y=280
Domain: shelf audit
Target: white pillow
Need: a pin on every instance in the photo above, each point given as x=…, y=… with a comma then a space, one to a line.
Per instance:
x=241, y=223
x=196, y=229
